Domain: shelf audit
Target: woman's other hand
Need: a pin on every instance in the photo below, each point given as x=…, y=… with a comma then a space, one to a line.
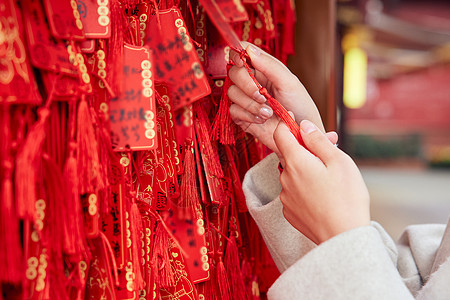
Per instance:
x=323, y=192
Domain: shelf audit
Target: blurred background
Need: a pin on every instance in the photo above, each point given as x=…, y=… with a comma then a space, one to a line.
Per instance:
x=379, y=71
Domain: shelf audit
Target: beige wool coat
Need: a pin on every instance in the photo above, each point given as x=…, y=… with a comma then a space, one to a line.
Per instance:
x=363, y=263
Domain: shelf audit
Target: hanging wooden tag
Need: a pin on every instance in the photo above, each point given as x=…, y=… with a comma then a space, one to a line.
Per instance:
x=97, y=66
x=163, y=91
x=168, y=141
x=201, y=34
x=91, y=215
x=132, y=115
x=184, y=288
x=219, y=20
x=100, y=282
x=148, y=225
x=114, y=223
x=142, y=14
x=183, y=126
x=35, y=285
x=218, y=57
x=87, y=46
x=17, y=84
x=64, y=19
x=165, y=169
x=96, y=18
x=191, y=236
x=264, y=11
x=45, y=52
x=65, y=86
x=177, y=63
x=147, y=180
x=232, y=10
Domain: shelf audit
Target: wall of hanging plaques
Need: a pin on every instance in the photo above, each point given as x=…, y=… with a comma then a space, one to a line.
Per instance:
x=120, y=169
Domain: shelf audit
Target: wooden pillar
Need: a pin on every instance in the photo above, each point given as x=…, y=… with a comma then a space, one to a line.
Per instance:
x=315, y=59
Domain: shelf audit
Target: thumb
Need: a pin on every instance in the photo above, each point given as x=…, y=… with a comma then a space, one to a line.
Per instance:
x=317, y=142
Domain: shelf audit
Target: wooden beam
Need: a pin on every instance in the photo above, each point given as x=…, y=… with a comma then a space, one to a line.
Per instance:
x=315, y=59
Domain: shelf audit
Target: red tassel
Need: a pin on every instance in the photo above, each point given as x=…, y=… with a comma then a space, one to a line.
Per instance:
x=11, y=252
x=75, y=238
x=189, y=199
x=104, y=155
x=164, y=277
x=87, y=151
x=202, y=126
x=56, y=222
x=26, y=166
x=222, y=281
x=136, y=244
x=232, y=265
x=223, y=127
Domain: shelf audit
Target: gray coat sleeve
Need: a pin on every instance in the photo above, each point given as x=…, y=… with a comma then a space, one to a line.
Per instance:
x=363, y=263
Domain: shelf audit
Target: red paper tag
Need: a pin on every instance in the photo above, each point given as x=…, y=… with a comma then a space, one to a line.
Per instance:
x=97, y=66
x=100, y=283
x=17, y=84
x=147, y=180
x=148, y=225
x=200, y=34
x=184, y=288
x=96, y=18
x=218, y=58
x=233, y=10
x=65, y=86
x=172, y=139
x=264, y=11
x=36, y=285
x=142, y=14
x=132, y=115
x=168, y=140
x=45, y=52
x=177, y=62
x=88, y=46
x=64, y=19
x=191, y=236
x=91, y=215
x=219, y=20
x=114, y=224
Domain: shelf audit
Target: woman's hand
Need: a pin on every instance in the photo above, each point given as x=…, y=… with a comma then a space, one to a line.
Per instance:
x=249, y=110
x=323, y=192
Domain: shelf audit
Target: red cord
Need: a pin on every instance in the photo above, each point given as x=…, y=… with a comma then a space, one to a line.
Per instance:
x=277, y=108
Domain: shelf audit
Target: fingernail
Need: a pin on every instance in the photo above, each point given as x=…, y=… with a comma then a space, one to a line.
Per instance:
x=254, y=49
x=266, y=112
x=307, y=126
x=259, y=120
x=258, y=97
